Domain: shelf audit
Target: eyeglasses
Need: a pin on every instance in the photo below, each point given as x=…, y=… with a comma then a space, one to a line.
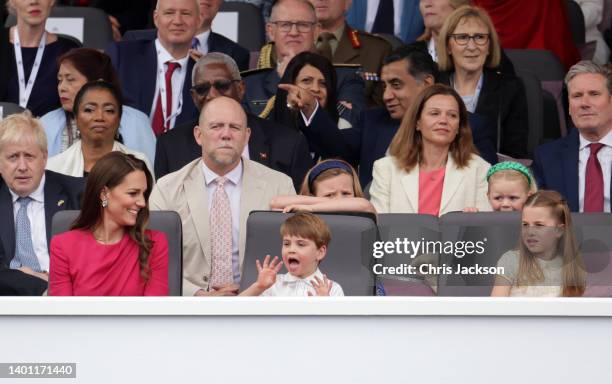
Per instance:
x=220, y=85
x=286, y=26
x=464, y=38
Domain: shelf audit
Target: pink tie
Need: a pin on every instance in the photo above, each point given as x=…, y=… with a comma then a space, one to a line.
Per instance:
x=221, y=236
x=594, y=184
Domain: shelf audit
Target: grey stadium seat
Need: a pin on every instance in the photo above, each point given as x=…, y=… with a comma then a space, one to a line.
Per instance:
x=348, y=256
x=535, y=108
x=168, y=222
x=97, y=30
x=9, y=109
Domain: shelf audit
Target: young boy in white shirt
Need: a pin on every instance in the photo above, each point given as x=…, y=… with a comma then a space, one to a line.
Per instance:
x=305, y=241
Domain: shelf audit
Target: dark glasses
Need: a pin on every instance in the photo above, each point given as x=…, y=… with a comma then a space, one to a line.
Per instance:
x=221, y=86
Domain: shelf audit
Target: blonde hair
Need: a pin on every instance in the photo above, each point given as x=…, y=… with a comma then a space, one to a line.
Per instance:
x=529, y=185
x=573, y=273
x=21, y=127
x=307, y=226
x=309, y=188
x=460, y=15
x=454, y=4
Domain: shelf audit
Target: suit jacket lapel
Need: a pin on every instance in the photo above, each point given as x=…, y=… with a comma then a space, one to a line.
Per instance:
x=53, y=203
x=409, y=181
x=570, y=169
x=453, y=178
x=259, y=148
x=7, y=229
x=345, y=51
x=148, y=71
x=271, y=83
x=253, y=187
x=213, y=42
x=197, y=201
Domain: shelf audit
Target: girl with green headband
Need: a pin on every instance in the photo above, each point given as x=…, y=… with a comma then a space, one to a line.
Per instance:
x=510, y=184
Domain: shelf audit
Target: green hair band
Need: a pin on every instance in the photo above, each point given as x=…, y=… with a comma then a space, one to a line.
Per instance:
x=510, y=166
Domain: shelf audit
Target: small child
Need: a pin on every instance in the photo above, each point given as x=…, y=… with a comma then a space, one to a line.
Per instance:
x=510, y=184
x=547, y=262
x=305, y=240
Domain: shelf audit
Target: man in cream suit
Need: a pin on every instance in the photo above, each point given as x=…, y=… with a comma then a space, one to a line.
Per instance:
x=214, y=196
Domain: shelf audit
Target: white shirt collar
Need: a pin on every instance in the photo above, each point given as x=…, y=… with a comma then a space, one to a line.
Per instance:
x=165, y=56
x=38, y=195
x=203, y=38
x=289, y=278
x=234, y=175
x=606, y=140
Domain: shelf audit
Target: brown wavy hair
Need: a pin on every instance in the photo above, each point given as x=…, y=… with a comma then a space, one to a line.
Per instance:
x=407, y=144
x=574, y=275
x=109, y=172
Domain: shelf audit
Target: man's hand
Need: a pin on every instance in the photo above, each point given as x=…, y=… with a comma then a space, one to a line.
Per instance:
x=220, y=290
x=195, y=54
x=267, y=271
x=115, y=27
x=299, y=98
x=322, y=286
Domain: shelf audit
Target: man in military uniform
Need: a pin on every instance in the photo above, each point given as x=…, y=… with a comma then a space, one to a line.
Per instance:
x=293, y=28
x=342, y=44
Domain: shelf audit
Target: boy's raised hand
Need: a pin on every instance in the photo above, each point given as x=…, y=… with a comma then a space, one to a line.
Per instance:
x=322, y=286
x=267, y=271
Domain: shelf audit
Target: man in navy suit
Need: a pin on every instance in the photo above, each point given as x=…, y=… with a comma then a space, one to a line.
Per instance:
x=155, y=74
x=579, y=166
x=205, y=40
x=29, y=197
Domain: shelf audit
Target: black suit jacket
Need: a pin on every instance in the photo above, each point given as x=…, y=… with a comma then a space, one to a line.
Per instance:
x=4, y=61
x=136, y=65
x=280, y=148
x=216, y=43
x=61, y=192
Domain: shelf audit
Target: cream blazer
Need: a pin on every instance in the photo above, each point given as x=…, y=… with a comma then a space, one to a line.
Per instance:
x=394, y=190
x=184, y=191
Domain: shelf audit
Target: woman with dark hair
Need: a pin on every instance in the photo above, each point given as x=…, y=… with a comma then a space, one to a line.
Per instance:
x=32, y=53
x=433, y=167
x=97, y=108
x=76, y=68
x=109, y=251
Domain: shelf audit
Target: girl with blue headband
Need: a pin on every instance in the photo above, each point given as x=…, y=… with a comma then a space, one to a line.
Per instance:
x=330, y=186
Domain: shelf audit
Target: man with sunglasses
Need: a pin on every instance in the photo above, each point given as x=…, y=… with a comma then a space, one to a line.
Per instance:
x=275, y=146
x=293, y=28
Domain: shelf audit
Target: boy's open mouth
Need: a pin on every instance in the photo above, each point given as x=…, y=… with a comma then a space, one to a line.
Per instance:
x=292, y=261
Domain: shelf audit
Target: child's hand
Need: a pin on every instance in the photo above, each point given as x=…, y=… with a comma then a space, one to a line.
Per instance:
x=322, y=286
x=470, y=209
x=267, y=272
x=297, y=208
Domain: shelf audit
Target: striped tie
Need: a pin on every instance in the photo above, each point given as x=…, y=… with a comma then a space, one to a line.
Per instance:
x=24, y=251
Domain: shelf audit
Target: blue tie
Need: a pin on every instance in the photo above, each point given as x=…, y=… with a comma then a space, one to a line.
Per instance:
x=195, y=43
x=24, y=251
x=384, y=21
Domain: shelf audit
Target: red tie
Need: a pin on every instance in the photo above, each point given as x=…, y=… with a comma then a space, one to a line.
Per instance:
x=159, y=126
x=594, y=184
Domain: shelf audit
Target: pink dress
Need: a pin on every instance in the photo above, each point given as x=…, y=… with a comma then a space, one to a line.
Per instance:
x=430, y=191
x=81, y=266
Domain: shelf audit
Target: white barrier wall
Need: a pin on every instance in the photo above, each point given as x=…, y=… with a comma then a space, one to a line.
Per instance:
x=356, y=340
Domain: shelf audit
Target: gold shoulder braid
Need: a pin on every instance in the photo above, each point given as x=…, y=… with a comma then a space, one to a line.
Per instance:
x=268, y=108
x=265, y=57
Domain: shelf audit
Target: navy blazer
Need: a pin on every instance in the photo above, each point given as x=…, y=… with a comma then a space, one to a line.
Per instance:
x=262, y=84
x=369, y=140
x=61, y=192
x=555, y=166
x=273, y=145
x=5, y=48
x=216, y=43
x=136, y=65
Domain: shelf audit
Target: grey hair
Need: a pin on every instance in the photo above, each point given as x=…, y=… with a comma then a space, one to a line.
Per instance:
x=587, y=66
x=216, y=58
x=307, y=3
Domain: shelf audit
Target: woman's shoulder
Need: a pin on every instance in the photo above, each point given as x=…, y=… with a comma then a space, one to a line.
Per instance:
x=72, y=235
x=155, y=235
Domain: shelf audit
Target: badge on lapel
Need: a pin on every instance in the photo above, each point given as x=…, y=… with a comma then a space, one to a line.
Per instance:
x=263, y=156
x=60, y=203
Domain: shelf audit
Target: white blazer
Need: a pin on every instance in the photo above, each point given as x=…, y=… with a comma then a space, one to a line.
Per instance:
x=394, y=190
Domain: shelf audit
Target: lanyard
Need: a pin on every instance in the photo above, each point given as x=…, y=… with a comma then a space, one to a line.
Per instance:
x=161, y=80
x=25, y=90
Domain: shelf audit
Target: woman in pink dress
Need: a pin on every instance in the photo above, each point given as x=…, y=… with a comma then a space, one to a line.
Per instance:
x=109, y=251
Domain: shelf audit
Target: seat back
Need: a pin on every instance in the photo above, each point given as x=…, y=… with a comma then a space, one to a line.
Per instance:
x=96, y=31
x=535, y=108
x=9, y=109
x=592, y=232
x=251, y=29
x=168, y=222
x=348, y=256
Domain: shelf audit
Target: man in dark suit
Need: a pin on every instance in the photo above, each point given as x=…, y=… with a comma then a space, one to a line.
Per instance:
x=206, y=40
x=278, y=147
x=293, y=28
x=155, y=74
x=579, y=166
x=342, y=44
x=29, y=197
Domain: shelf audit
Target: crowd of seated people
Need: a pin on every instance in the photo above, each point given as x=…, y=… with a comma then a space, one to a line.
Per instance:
x=332, y=111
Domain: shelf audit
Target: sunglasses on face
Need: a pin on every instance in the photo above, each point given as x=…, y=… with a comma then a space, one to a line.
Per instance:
x=221, y=86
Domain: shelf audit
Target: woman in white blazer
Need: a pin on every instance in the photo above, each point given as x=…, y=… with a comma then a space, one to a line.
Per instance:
x=433, y=166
